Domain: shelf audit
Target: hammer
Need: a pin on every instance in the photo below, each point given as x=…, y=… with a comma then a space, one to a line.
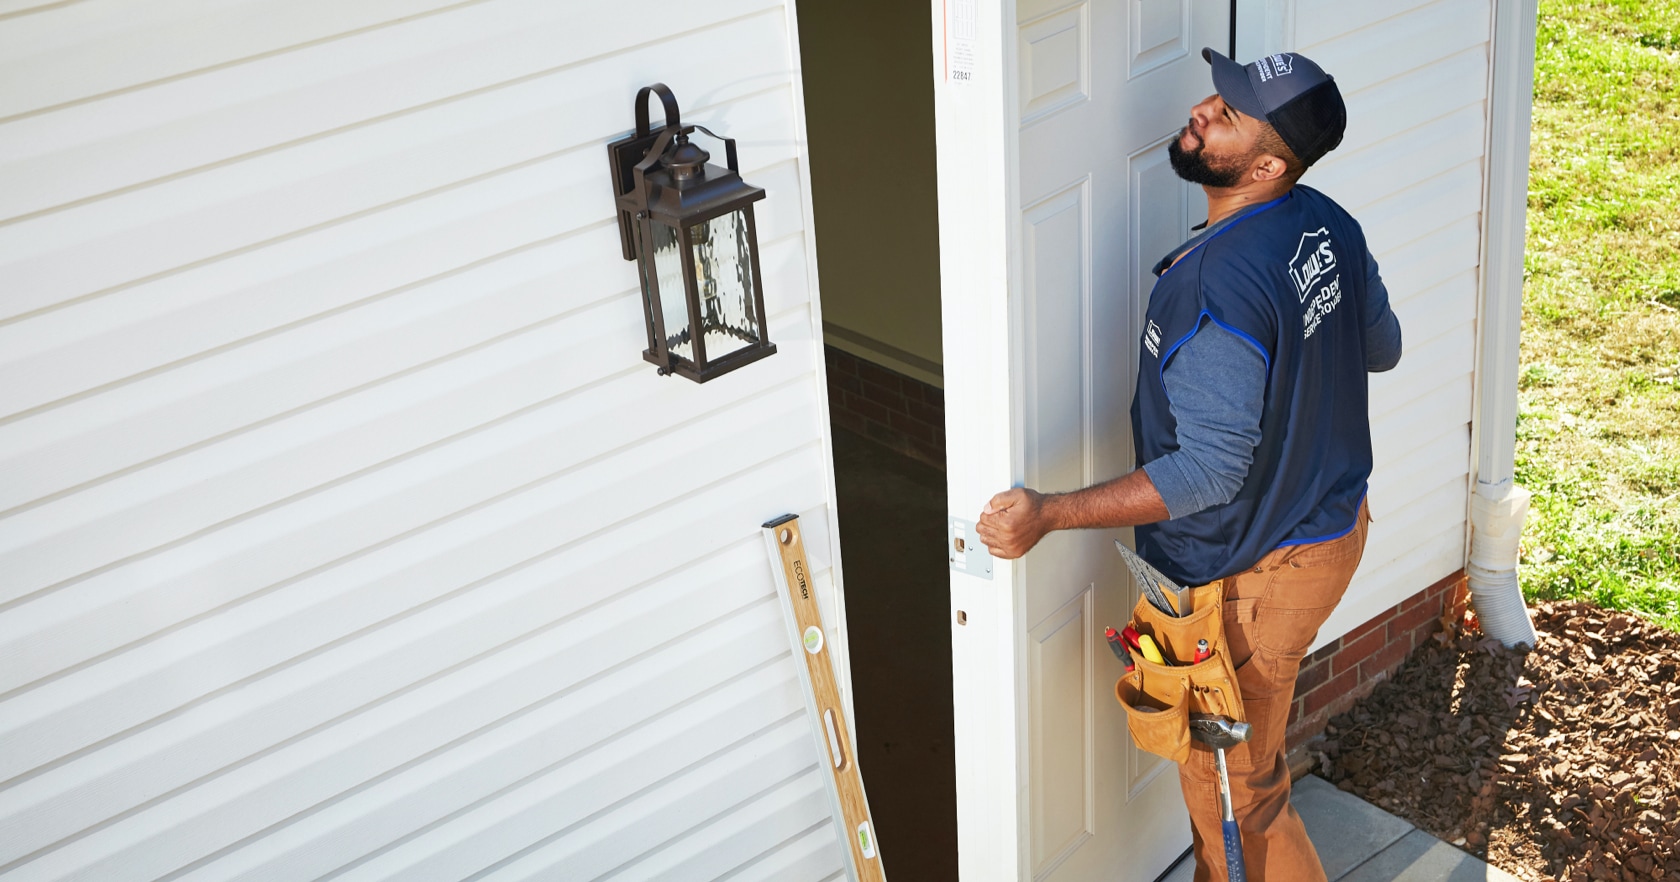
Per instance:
x=1220, y=733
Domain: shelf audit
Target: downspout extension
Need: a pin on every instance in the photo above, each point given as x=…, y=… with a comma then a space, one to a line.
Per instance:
x=1496, y=530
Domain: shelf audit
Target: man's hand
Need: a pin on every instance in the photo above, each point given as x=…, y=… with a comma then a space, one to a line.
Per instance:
x=1013, y=522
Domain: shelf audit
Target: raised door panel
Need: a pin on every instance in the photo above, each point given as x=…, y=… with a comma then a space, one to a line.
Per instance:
x=1063, y=814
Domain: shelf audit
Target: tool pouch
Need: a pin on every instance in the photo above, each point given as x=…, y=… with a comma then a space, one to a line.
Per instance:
x=1160, y=698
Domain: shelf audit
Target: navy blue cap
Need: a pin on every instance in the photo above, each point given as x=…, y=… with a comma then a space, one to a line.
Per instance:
x=1290, y=92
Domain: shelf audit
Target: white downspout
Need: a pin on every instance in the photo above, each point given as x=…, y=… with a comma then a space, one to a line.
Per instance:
x=1498, y=506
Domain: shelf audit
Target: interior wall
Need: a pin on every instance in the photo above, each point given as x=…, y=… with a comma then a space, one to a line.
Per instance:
x=869, y=117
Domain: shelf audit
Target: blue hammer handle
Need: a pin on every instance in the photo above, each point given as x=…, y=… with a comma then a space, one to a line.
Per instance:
x=1234, y=869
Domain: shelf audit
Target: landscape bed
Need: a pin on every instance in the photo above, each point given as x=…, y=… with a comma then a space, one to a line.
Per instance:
x=1557, y=763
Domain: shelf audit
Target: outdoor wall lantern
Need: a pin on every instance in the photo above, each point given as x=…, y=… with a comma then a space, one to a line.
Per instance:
x=689, y=225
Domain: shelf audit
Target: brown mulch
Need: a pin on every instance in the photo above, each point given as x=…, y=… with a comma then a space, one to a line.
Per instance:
x=1558, y=763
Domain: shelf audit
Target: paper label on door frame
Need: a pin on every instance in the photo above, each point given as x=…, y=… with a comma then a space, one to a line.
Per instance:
x=962, y=27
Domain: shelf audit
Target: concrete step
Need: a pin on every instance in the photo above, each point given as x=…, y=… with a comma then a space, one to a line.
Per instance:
x=1358, y=842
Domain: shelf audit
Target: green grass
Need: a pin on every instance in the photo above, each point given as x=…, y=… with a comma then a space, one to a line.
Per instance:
x=1598, y=432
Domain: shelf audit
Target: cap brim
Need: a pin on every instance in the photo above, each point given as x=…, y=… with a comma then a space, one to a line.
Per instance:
x=1230, y=80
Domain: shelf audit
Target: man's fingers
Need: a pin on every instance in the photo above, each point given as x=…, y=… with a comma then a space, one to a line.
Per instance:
x=1003, y=501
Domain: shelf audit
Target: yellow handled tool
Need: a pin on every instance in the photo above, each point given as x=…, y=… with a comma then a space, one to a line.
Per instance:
x=1146, y=645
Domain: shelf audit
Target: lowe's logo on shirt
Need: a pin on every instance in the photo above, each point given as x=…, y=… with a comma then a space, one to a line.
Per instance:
x=1313, y=260
x=1152, y=339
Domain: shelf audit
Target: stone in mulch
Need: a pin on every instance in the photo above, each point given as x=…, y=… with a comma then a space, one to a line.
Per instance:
x=1560, y=763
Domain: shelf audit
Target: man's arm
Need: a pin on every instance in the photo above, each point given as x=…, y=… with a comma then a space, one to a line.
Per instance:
x=1016, y=519
x=1216, y=386
x=1382, y=328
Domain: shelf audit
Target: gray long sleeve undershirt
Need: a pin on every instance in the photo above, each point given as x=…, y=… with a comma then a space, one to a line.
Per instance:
x=1216, y=386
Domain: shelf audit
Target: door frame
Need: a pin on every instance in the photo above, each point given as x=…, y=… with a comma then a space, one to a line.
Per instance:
x=975, y=121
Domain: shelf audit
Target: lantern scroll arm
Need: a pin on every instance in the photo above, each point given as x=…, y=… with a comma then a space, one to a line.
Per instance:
x=728, y=147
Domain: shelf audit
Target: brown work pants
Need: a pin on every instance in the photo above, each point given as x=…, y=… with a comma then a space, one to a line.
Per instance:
x=1272, y=614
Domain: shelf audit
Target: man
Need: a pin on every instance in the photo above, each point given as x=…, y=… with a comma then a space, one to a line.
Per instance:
x=1250, y=422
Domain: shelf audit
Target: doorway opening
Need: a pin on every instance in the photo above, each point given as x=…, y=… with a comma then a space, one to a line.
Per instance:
x=867, y=78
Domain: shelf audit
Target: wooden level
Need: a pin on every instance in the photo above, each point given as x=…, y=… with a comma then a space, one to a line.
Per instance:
x=822, y=697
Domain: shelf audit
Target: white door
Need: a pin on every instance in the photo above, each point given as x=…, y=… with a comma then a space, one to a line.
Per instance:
x=1055, y=198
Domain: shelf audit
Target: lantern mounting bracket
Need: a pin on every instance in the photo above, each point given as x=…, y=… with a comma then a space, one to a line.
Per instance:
x=628, y=152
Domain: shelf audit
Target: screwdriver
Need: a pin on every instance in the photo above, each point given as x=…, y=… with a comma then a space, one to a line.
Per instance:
x=1119, y=648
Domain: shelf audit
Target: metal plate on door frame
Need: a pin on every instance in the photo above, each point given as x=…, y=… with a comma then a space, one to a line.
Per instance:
x=965, y=550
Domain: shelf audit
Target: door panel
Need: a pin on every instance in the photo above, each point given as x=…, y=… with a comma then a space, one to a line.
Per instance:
x=1054, y=64
x=1063, y=815
x=1091, y=92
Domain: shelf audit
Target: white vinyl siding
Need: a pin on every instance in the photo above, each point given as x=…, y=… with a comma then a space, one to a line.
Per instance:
x=343, y=530
x=1415, y=78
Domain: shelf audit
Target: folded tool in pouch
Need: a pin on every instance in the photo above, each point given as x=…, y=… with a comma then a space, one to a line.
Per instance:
x=1156, y=587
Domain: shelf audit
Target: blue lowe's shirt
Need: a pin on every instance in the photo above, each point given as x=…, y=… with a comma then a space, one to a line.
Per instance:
x=1290, y=279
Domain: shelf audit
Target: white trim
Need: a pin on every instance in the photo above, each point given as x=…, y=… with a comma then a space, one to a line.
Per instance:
x=976, y=124
x=839, y=631
x=884, y=354
x=1504, y=219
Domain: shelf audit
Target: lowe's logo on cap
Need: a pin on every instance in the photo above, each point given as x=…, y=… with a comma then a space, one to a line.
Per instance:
x=1274, y=66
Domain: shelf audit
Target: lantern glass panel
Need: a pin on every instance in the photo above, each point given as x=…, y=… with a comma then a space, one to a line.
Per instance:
x=723, y=267
x=673, y=297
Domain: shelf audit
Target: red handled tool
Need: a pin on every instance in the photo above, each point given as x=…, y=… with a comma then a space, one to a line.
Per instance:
x=1119, y=648
x=1203, y=653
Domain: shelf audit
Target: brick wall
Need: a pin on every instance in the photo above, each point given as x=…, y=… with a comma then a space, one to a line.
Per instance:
x=890, y=408
x=1345, y=670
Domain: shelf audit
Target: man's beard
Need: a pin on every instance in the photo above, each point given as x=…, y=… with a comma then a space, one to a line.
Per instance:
x=1194, y=167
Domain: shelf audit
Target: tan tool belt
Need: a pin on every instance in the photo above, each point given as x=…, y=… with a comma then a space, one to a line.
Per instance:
x=1160, y=698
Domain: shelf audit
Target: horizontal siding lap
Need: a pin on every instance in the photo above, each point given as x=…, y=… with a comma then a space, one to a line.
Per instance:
x=41, y=551
x=1394, y=108
x=63, y=54
x=217, y=212
x=510, y=47
x=813, y=854
x=184, y=495
x=1423, y=463
x=381, y=338
x=638, y=769
x=1430, y=204
x=363, y=745
x=23, y=7
x=1433, y=311
x=1406, y=42
x=1423, y=263
x=712, y=850
x=1317, y=21
x=351, y=535
x=222, y=811
x=1374, y=174
x=1421, y=516
x=1445, y=405
x=1435, y=360
x=786, y=757
x=629, y=694
x=574, y=505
